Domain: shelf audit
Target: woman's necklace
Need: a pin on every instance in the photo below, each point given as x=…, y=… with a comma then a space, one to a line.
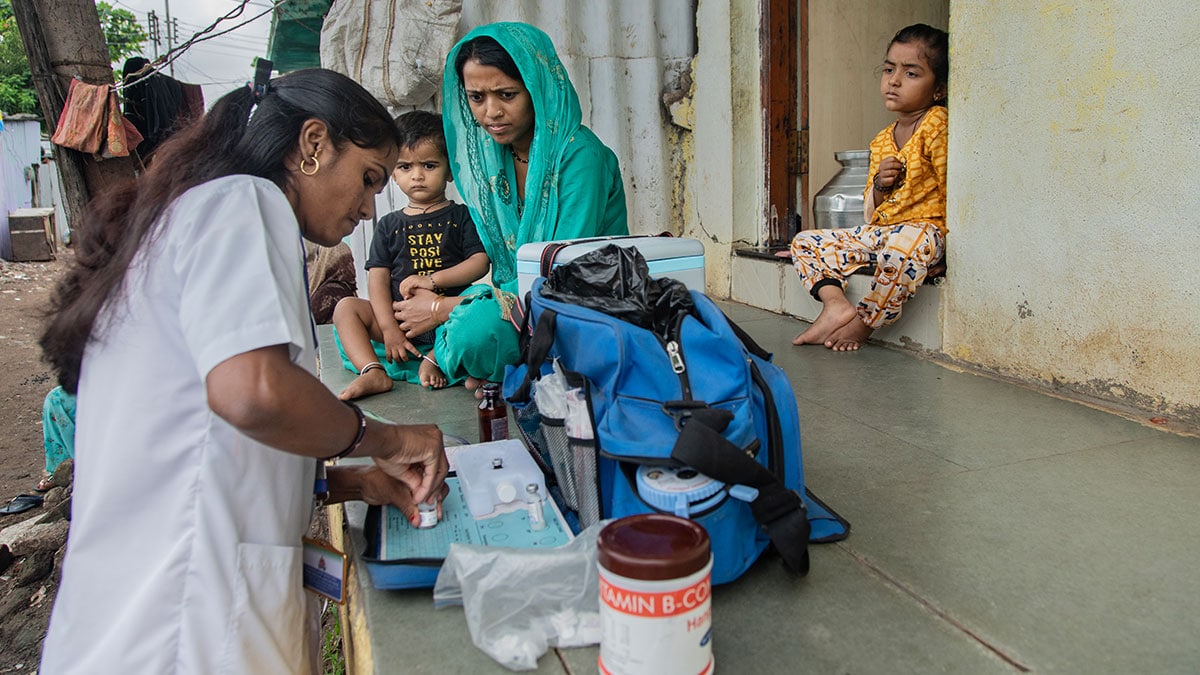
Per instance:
x=517, y=157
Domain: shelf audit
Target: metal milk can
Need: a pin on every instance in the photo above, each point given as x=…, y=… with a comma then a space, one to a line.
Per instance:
x=840, y=203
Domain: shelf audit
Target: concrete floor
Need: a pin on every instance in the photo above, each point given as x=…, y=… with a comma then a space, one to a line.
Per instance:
x=995, y=530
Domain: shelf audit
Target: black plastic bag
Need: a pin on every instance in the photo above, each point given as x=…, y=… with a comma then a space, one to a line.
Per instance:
x=616, y=280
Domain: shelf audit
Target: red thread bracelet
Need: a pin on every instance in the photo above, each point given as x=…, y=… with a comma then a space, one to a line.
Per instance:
x=358, y=438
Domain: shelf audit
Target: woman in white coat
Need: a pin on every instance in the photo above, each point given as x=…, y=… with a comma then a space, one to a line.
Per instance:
x=184, y=327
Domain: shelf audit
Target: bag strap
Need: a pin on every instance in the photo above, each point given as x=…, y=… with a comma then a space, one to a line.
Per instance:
x=551, y=251
x=779, y=511
x=535, y=351
x=751, y=346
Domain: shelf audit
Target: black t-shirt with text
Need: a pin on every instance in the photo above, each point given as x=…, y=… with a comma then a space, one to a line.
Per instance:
x=423, y=244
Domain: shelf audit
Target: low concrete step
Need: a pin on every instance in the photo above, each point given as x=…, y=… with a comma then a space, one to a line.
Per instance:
x=774, y=286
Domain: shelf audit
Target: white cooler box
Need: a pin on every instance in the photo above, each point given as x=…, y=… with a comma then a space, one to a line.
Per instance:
x=674, y=257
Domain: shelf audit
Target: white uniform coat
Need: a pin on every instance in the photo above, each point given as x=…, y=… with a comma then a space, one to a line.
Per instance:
x=184, y=551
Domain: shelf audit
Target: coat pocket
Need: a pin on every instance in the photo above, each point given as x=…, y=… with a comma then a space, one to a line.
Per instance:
x=267, y=630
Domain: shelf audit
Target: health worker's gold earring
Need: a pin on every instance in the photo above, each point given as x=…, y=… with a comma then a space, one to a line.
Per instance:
x=316, y=165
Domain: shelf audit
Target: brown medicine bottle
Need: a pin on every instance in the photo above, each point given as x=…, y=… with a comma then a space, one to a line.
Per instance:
x=493, y=415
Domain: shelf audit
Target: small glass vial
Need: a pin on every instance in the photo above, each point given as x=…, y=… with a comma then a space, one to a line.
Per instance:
x=493, y=415
x=427, y=513
x=533, y=502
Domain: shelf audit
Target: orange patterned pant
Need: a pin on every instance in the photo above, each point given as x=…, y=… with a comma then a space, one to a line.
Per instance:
x=902, y=255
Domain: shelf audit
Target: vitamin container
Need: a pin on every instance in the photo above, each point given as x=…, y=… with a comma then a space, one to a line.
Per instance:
x=655, y=596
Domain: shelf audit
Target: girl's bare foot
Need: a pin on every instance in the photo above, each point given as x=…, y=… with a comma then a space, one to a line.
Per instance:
x=849, y=337
x=375, y=381
x=430, y=374
x=835, y=313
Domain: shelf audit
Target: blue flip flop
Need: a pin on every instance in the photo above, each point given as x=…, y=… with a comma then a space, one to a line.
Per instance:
x=21, y=504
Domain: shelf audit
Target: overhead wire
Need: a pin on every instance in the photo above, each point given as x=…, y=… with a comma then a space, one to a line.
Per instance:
x=200, y=36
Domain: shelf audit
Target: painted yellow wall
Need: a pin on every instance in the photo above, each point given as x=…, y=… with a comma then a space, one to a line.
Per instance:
x=1073, y=193
x=1074, y=197
x=847, y=40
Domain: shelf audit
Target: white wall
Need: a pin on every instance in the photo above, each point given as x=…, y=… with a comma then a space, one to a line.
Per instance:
x=720, y=185
x=1073, y=197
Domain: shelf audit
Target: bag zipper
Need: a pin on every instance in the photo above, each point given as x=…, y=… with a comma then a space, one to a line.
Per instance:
x=675, y=355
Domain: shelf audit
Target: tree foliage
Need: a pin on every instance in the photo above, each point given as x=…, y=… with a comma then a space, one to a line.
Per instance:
x=122, y=32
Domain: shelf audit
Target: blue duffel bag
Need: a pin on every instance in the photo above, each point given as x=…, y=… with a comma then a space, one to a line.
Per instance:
x=685, y=393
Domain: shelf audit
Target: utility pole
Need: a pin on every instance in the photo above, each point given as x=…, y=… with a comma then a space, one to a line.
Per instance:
x=63, y=40
x=152, y=24
x=170, y=34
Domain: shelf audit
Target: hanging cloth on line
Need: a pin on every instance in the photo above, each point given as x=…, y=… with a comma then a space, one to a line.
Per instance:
x=91, y=121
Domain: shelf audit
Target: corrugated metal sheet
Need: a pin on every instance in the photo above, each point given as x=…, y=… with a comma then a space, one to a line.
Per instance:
x=623, y=56
x=20, y=153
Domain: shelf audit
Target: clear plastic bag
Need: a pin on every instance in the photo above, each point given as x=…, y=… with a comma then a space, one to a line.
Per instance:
x=520, y=602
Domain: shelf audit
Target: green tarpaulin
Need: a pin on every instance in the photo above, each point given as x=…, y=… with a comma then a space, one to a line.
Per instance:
x=296, y=34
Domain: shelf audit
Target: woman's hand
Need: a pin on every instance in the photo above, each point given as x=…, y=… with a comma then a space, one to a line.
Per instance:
x=418, y=458
x=415, y=315
x=374, y=486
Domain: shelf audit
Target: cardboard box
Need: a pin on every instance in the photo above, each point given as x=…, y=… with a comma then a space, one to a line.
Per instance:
x=31, y=232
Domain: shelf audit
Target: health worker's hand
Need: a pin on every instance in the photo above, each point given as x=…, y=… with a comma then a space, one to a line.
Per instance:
x=418, y=458
x=369, y=483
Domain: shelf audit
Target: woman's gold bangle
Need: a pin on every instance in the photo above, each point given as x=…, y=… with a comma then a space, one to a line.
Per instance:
x=437, y=305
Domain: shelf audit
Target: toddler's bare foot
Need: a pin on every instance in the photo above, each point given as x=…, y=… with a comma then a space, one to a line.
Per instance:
x=849, y=337
x=431, y=375
x=475, y=384
x=834, y=314
x=375, y=381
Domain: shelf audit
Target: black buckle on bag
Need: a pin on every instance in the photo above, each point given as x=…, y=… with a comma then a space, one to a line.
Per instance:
x=681, y=411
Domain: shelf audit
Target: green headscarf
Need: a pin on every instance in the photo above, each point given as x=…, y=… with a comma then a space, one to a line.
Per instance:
x=483, y=169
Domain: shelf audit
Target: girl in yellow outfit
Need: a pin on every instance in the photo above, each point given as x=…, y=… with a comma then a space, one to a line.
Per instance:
x=904, y=203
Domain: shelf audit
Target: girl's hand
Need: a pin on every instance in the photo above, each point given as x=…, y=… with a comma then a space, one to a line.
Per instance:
x=415, y=314
x=889, y=175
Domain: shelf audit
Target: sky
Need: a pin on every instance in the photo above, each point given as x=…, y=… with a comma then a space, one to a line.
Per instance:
x=219, y=64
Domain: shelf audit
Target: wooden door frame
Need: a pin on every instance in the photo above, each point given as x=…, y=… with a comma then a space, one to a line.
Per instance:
x=784, y=35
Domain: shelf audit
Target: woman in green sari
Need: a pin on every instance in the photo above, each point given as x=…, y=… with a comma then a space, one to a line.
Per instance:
x=528, y=169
